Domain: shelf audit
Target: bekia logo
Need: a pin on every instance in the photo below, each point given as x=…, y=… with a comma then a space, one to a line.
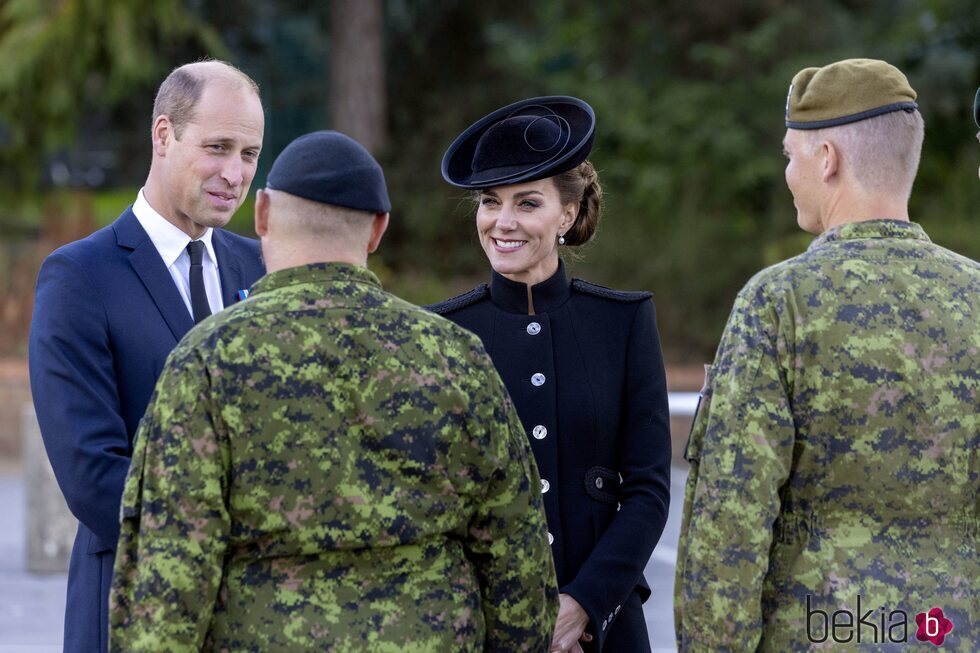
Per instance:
x=874, y=625
x=933, y=626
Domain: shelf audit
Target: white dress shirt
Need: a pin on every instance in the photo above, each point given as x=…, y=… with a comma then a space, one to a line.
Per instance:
x=171, y=244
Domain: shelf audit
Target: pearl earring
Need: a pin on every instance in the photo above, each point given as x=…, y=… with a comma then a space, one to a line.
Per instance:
x=561, y=239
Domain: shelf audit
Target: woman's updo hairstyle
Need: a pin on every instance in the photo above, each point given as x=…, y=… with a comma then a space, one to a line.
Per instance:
x=581, y=184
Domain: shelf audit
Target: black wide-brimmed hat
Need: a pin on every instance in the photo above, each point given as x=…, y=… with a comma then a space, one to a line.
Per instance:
x=528, y=140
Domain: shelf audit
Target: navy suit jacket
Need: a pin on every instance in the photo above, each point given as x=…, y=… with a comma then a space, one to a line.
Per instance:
x=586, y=376
x=106, y=315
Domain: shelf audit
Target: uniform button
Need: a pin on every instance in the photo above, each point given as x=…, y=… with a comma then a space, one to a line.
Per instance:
x=545, y=485
x=537, y=379
x=539, y=432
x=551, y=538
x=605, y=622
x=616, y=611
x=598, y=483
x=534, y=328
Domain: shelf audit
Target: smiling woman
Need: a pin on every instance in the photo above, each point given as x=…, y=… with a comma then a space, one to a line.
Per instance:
x=581, y=362
x=519, y=227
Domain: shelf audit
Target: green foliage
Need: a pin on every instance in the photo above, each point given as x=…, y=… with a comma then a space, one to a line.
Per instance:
x=689, y=95
x=61, y=56
x=690, y=98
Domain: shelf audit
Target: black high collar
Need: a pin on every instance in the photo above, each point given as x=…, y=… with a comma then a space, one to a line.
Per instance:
x=546, y=296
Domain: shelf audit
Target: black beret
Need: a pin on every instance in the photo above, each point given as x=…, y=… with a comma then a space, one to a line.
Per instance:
x=331, y=168
x=524, y=141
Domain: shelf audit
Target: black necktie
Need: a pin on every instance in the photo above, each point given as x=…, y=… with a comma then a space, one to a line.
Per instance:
x=199, y=297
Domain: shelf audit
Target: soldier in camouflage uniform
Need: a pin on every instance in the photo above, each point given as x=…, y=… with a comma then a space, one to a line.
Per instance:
x=832, y=497
x=325, y=467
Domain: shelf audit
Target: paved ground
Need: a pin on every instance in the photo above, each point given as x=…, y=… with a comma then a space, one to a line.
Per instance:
x=32, y=606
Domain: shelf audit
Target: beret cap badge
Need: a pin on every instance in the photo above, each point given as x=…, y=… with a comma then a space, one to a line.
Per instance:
x=846, y=91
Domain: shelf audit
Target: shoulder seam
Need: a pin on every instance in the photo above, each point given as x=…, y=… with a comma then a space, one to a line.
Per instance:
x=627, y=296
x=84, y=272
x=459, y=301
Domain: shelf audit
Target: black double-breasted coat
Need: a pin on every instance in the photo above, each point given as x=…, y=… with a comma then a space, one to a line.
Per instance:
x=584, y=368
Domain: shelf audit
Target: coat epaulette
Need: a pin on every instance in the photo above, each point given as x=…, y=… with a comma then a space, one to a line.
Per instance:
x=608, y=293
x=460, y=301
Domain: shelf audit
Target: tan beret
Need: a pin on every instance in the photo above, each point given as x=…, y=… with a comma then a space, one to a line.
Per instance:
x=846, y=91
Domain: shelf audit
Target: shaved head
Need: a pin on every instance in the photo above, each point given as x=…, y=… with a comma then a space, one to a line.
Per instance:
x=882, y=151
x=306, y=220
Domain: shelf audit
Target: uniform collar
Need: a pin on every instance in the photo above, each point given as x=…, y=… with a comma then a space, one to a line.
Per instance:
x=315, y=273
x=871, y=229
x=546, y=296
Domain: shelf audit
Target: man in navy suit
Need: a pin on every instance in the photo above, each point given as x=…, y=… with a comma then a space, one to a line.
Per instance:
x=110, y=307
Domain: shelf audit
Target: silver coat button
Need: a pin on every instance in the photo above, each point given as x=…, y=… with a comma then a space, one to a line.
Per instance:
x=539, y=432
x=533, y=328
x=537, y=379
x=545, y=485
x=551, y=538
x=605, y=622
x=598, y=483
x=617, y=609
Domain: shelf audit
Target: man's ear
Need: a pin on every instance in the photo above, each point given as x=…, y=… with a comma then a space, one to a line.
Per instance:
x=377, y=231
x=261, y=213
x=160, y=135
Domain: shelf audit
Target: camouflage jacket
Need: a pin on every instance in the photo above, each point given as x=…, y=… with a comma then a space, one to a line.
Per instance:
x=834, y=458
x=327, y=467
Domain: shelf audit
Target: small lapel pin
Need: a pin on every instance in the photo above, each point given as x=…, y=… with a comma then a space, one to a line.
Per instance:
x=242, y=294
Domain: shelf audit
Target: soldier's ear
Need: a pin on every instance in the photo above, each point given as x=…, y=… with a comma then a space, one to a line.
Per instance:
x=378, y=228
x=261, y=213
x=831, y=160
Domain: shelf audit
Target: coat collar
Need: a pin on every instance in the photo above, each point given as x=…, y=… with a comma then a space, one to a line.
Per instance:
x=152, y=271
x=871, y=229
x=547, y=296
x=317, y=274
x=229, y=267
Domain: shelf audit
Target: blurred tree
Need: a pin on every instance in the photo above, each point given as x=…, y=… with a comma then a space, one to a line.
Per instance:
x=357, y=103
x=63, y=56
x=690, y=96
x=63, y=60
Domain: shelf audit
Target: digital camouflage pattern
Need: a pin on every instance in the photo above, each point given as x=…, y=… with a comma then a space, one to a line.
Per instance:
x=835, y=451
x=327, y=467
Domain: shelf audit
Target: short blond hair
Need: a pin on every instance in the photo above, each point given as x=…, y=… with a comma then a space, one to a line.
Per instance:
x=882, y=151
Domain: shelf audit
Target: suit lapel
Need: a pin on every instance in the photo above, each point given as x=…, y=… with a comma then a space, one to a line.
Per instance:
x=148, y=265
x=229, y=268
